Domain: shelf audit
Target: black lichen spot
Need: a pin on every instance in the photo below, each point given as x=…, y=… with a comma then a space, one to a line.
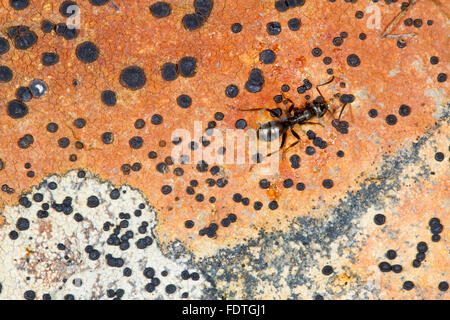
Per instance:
x=193, y=21
x=93, y=202
x=169, y=71
x=5, y=74
x=439, y=156
x=49, y=59
x=379, y=219
x=67, y=8
x=327, y=270
x=38, y=88
x=184, y=101
x=4, y=46
x=236, y=27
x=19, y=4
x=107, y=137
x=241, y=124
x=98, y=2
x=327, y=183
x=136, y=142
x=87, y=52
x=26, y=141
x=231, y=91
x=63, y=142
x=23, y=37
x=442, y=77
x=156, y=119
x=267, y=56
x=391, y=119
x=188, y=66
x=353, y=60
x=255, y=81
x=316, y=52
x=273, y=28
x=160, y=9
x=404, y=110
x=133, y=78
x=109, y=98
x=189, y=224
x=17, y=109
x=294, y=24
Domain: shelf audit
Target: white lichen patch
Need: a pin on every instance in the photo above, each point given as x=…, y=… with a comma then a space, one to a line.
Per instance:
x=60, y=247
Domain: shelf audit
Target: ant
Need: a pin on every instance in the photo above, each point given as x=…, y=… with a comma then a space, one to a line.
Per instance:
x=272, y=130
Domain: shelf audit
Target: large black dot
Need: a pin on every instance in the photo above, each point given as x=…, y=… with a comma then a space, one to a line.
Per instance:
x=109, y=98
x=93, y=202
x=5, y=74
x=4, y=46
x=353, y=60
x=133, y=78
x=267, y=56
x=19, y=4
x=193, y=21
x=231, y=91
x=169, y=71
x=67, y=8
x=188, y=66
x=87, y=52
x=160, y=9
x=184, y=101
x=17, y=109
x=49, y=59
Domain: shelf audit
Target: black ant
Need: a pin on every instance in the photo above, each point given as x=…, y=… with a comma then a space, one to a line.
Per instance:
x=272, y=130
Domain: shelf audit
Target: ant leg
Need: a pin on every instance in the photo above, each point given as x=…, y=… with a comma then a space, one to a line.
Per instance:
x=283, y=142
x=324, y=84
x=340, y=113
x=272, y=113
x=291, y=107
x=295, y=134
x=320, y=124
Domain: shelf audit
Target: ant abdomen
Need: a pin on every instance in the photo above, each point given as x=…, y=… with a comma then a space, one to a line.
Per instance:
x=270, y=131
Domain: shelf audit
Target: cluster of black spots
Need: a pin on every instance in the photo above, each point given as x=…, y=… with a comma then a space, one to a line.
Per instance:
x=87, y=52
x=187, y=67
x=255, y=81
x=307, y=85
x=422, y=248
x=295, y=161
x=193, y=21
x=26, y=141
x=228, y=220
x=209, y=231
x=133, y=78
x=22, y=37
x=160, y=9
x=435, y=228
x=284, y=5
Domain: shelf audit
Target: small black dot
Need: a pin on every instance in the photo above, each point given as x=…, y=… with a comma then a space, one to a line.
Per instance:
x=241, y=124
x=294, y=24
x=373, y=113
x=49, y=59
x=93, y=202
x=434, y=60
x=316, y=52
x=353, y=60
x=236, y=27
x=391, y=119
x=136, y=142
x=404, y=110
x=439, y=156
x=5, y=74
x=408, y=285
x=327, y=270
x=17, y=109
x=193, y=21
x=327, y=183
x=107, y=137
x=156, y=119
x=379, y=219
x=442, y=77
